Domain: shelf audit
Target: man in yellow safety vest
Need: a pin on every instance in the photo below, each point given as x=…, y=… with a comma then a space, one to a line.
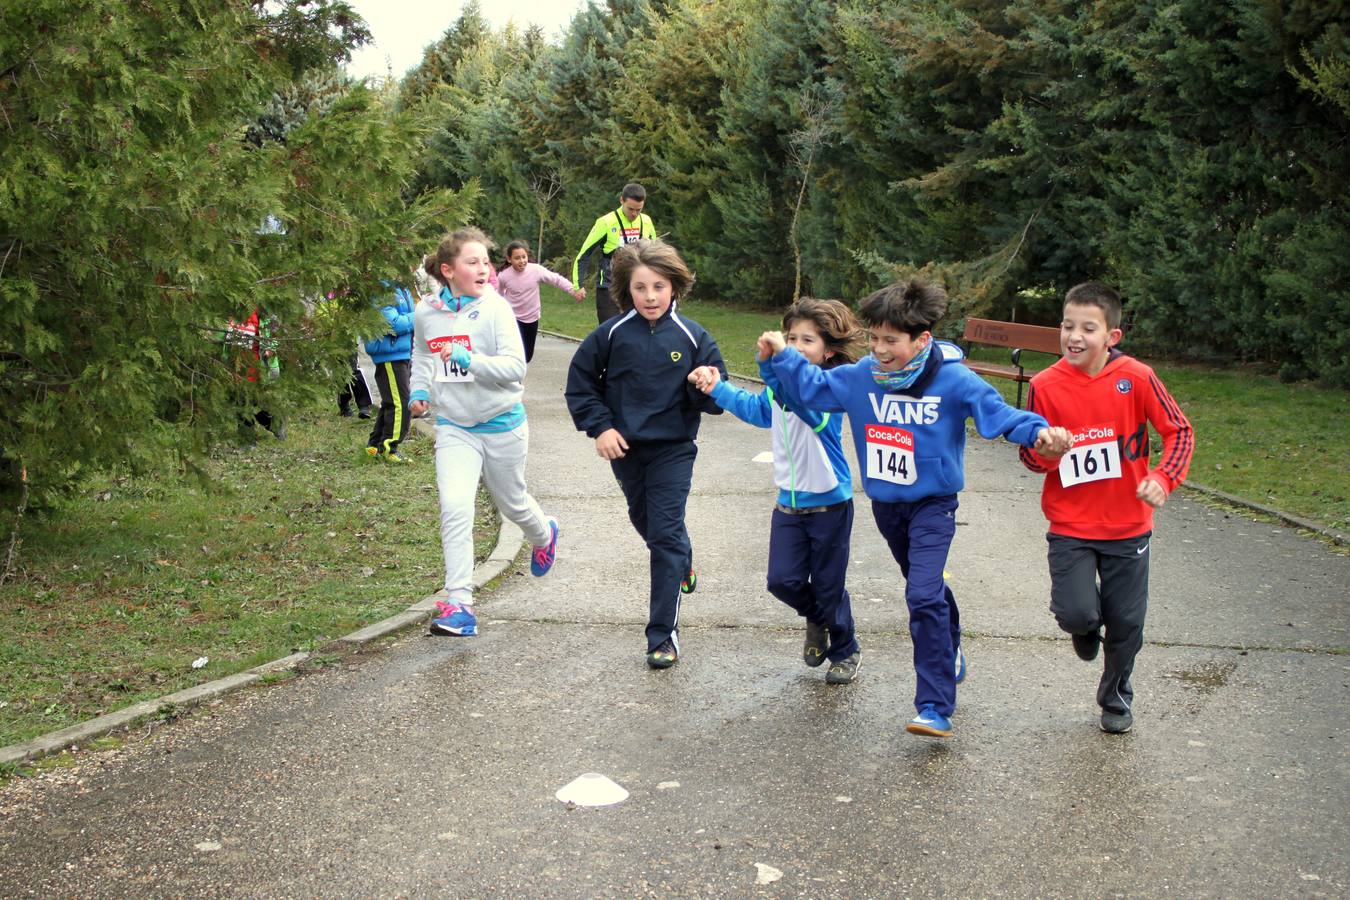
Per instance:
x=610, y=232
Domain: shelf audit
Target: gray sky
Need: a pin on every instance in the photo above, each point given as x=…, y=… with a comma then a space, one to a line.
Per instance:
x=403, y=28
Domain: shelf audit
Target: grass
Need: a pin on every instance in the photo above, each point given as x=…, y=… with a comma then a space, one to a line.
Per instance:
x=1276, y=444
x=287, y=546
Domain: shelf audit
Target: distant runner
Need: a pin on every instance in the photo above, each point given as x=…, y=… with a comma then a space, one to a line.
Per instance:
x=622, y=226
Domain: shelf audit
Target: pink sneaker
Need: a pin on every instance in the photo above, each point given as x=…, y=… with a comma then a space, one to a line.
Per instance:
x=543, y=557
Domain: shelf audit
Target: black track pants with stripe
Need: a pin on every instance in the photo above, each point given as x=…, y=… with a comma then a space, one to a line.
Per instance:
x=392, y=422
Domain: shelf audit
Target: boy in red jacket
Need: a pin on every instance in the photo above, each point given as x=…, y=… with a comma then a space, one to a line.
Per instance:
x=1100, y=496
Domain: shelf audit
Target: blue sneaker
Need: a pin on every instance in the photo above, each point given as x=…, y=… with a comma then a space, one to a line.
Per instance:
x=454, y=619
x=960, y=665
x=542, y=558
x=931, y=723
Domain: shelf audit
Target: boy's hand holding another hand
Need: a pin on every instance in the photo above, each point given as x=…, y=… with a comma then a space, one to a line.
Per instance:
x=770, y=344
x=1052, y=443
x=705, y=378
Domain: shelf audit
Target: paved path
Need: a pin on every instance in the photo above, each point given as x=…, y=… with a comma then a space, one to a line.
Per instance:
x=428, y=768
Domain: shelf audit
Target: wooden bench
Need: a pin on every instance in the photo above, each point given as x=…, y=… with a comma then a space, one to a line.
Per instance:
x=1016, y=338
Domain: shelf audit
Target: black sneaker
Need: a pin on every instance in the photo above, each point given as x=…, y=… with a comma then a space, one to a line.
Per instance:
x=363, y=412
x=817, y=642
x=664, y=656
x=845, y=670
x=1087, y=645
x=1117, y=723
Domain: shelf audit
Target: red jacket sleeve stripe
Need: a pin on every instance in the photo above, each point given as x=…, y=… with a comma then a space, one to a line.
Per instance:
x=1182, y=438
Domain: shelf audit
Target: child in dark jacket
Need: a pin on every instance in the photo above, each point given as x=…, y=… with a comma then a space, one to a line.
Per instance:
x=628, y=389
x=392, y=352
x=908, y=402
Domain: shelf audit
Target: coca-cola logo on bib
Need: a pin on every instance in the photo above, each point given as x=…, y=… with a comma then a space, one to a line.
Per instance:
x=436, y=344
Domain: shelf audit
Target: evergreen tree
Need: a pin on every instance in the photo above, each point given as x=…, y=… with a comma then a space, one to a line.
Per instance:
x=1191, y=154
x=137, y=219
x=581, y=115
x=441, y=59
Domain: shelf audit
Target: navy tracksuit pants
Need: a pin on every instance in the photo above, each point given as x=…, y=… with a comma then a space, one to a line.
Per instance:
x=808, y=558
x=919, y=535
x=655, y=478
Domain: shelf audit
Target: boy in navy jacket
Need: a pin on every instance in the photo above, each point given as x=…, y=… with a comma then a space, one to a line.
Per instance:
x=628, y=389
x=908, y=402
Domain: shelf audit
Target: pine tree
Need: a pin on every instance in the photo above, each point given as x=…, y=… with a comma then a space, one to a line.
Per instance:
x=138, y=219
x=442, y=58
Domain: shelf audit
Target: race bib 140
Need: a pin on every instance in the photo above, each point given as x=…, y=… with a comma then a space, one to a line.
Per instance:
x=446, y=371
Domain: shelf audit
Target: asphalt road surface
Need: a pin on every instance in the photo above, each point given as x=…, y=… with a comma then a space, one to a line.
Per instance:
x=428, y=766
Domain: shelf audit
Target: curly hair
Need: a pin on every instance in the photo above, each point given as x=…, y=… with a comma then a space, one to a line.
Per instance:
x=838, y=327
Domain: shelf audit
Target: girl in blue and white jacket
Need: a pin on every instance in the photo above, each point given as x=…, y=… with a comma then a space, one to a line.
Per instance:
x=813, y=518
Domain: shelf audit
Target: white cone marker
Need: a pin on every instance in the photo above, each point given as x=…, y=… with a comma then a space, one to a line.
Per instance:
x=591, y=789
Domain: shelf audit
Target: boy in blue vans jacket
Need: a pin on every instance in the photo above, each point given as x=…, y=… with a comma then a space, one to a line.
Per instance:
x=908, y=402
x=628, y=389
x=391, y=352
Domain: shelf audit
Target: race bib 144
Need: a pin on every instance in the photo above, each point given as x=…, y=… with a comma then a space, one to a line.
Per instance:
x=890, y=454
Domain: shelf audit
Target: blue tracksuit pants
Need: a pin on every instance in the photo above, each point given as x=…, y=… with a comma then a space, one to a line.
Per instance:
x=655, y=479
x=808, y=558
x=919, y=535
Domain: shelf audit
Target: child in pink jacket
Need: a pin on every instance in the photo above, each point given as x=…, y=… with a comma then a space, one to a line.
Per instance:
x=519, y=284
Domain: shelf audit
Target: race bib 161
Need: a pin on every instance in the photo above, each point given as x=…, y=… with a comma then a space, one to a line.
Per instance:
x=1095, y=456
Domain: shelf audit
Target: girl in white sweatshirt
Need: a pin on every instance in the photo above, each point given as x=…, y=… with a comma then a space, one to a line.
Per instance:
x=468, y=363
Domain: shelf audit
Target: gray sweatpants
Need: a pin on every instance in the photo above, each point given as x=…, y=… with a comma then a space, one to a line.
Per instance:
x=500, y=457
x=1096, y=583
